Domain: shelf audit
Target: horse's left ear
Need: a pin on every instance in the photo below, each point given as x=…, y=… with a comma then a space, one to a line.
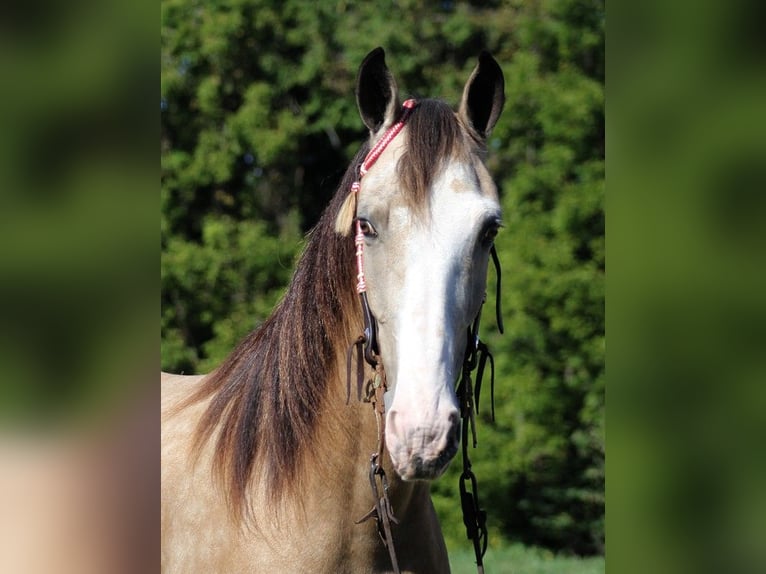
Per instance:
x=483, y=95
x=376, y=93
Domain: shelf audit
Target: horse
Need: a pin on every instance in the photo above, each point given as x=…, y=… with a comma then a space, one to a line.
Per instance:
x=266, y=462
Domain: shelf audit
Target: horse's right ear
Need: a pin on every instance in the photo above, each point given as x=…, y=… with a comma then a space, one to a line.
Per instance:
x=376, y=93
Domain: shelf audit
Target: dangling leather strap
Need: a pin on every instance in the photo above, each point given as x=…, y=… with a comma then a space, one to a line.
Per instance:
x=474, y=517
x=382, y=511
x=358, y=344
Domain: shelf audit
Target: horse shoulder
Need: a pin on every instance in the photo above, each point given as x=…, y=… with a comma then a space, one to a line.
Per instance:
x=188, y=511
x=198, y=533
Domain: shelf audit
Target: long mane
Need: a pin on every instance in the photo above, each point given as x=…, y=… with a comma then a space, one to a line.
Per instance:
x=266, y=397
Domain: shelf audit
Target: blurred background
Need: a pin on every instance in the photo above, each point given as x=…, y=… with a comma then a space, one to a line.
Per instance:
x=686, y=303
x=79, y=428
x=259, y=122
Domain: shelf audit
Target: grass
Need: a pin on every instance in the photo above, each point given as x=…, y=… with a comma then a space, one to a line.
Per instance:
x=518, y=559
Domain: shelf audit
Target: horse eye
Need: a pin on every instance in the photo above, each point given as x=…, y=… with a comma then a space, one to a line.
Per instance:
x=367, y=229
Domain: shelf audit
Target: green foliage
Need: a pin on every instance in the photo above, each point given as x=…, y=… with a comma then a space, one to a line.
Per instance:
x=228, y=281
x=258, y=123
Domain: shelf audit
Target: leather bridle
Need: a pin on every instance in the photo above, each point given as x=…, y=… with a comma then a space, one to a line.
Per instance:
x=469, y=392
x=476, y=356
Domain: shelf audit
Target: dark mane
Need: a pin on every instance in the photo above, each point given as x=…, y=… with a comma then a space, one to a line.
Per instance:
x=266, y=397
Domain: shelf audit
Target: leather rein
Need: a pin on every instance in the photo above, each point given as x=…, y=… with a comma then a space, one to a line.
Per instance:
x=468, y=391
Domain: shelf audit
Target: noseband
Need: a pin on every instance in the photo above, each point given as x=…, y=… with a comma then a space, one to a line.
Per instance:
x=366, y=345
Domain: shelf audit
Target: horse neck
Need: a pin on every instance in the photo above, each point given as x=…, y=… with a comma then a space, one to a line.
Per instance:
x=347, y=436
x=341, y=489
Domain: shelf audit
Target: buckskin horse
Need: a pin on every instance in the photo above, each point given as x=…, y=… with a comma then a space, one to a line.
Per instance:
x=266, y=462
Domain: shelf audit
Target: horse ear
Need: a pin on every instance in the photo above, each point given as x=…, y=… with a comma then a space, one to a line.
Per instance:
x=483, y=95
x=376, y=93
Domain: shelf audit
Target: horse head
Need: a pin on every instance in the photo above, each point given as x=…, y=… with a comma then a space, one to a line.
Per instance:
x=429, y=211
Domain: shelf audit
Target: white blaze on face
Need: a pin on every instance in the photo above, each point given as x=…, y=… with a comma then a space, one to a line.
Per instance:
x=426, y=278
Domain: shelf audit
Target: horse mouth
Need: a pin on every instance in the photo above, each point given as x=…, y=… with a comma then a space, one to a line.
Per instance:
x=419, y=468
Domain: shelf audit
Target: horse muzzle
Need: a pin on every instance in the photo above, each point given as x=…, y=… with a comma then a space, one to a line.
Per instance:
x=422, y=452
